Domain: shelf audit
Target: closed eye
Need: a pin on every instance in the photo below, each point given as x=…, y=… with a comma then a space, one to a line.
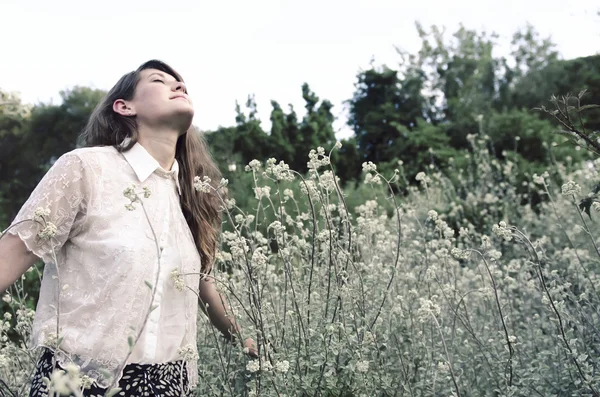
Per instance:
x=158, y=80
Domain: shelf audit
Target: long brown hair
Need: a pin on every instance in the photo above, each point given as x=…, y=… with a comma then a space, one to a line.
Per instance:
x=108, y=128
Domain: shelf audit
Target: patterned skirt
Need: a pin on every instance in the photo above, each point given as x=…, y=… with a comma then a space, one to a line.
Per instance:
x=161, y=380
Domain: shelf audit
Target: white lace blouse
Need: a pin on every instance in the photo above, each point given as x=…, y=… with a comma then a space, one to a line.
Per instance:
x=107, y=262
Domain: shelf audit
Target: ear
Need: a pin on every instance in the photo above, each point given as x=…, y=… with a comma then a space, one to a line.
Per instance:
x=124, y=108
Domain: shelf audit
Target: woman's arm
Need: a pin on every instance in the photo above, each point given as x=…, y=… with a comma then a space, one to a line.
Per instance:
x=15, y=259
x=213, y=304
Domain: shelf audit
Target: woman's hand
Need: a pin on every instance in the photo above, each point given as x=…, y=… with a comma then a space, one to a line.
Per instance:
x=250, y=348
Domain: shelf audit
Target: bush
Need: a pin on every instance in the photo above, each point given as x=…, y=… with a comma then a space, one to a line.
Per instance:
x=454, y=289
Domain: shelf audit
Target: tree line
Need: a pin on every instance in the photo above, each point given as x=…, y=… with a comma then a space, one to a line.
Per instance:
x=421, y=112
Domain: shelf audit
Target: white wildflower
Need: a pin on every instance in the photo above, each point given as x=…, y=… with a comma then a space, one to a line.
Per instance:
x=259, y=259
x=130, y=193
x=317, y=159
x=432, y=215
x=571, y=188
x=443, y=366
x=538, y=179
x=177, y=278
x=147, y=191
x=260, y=192
x=327, y=181
x=421, y=176
x=428, y=308
x=277, y=227
x=502, y=231
x=230, y=203
x=188, y=353
x=253, y=366
x=202, y=185
x=338, y=145
x=48, y=232
x=460, y=253
x=362, y=366
x=7, y=298
x=288, y=193
x=59, y=382
x=369, y=167
x=308, y=187
x=280, y=171
x=485, y=242
x=254, y=165
x=41, y=214
x=282, y=366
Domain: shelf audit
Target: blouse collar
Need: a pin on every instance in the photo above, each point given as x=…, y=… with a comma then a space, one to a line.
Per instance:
x=144, y=165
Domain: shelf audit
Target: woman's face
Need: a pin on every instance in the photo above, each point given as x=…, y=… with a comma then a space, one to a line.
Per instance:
x=159, y=100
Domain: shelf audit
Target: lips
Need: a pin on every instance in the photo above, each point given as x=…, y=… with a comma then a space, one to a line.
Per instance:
x=180, y=96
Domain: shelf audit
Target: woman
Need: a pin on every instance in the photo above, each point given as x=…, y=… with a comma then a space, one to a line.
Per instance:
x=126, y=241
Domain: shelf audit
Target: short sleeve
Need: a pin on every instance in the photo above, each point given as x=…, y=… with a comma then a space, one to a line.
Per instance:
x=55, y=209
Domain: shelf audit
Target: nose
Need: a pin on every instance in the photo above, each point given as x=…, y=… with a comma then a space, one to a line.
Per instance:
x=180, y=86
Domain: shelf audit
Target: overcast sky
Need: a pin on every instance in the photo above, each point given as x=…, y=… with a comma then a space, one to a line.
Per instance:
x=226, y=50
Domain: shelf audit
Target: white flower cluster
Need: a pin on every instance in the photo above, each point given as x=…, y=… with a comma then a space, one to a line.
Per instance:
x=370, y=178
x=277, y=227
x=187, y=352
x=65, y=381
x=369, y=167
x=460, y=253
x=317, y=159
x=570, y=189
x=441, y=225
x=259, y=260
x=309, y=187
x=432, y=216
x=280, y=171
x=502, y=231
x=288, y=193
x=202, y=185
x=48, y=231
x=177, y=278
x=327, y=181
x=254, y=366
x=539, y=179
x=260, y=192
x=254, y=165
x=41, y=214
x=240, y=219
x=133, y=197
x=362, y=366
x=238, y=245
x=428, y=308
x=423, y=178
x=282, y=366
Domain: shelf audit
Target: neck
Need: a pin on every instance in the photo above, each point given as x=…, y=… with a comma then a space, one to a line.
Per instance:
x=160, y=144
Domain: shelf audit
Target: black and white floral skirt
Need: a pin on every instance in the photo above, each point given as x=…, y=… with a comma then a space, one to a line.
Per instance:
x=161, y=380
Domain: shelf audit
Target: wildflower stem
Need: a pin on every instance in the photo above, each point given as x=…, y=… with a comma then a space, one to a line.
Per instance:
x=397, y=254
x=540, y=264
x=450, y=366
x=504, y=327
x=153, y=295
